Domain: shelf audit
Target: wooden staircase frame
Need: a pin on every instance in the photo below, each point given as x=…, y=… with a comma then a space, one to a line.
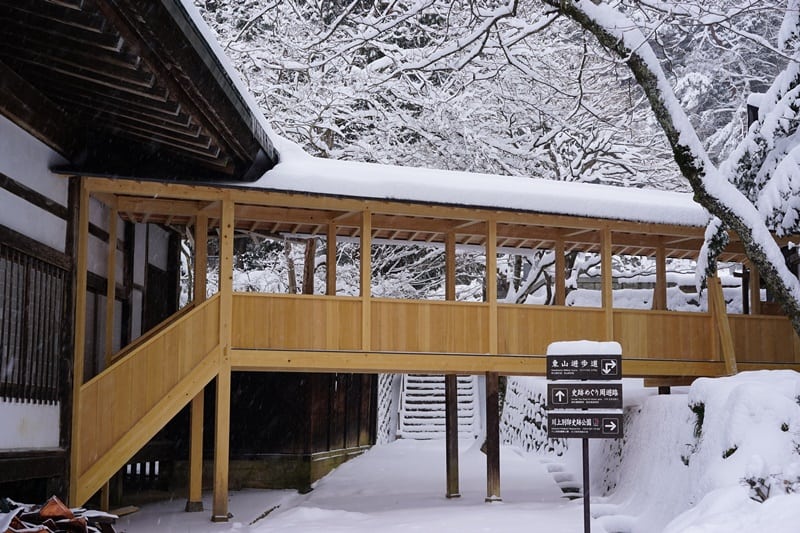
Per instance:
x=269, y=333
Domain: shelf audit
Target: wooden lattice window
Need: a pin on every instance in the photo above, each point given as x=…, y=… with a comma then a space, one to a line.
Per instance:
x=32, y=303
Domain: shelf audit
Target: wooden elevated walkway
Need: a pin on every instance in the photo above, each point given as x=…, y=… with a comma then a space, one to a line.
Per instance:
x=118, y=411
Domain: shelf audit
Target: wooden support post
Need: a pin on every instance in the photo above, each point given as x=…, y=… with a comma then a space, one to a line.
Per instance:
x=492, y=438
x=194, y=501
x=451, y=434
x=561, y=267
x=111, y=285
x=491, y=283
x=450, y=267
x=79, y=338
x=755, y=291
x=660, y=290
x=366, y=278
x=222, y=429
x=330, y=260
x=451, y=380
x=719, y=314
x=607, y=281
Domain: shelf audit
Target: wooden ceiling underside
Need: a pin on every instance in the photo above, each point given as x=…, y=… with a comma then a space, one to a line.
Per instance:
x=133, y=85
x=521, y=234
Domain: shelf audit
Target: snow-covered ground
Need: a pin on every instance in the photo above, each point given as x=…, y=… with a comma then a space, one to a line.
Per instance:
x=672, y=472
x=394, y=487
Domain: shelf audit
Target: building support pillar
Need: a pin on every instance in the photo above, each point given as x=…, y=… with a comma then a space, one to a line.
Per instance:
x=451, y=381
x=492, y=379
x=219, y=512
x=194, y=501
x=492, y=438
x=79, y=338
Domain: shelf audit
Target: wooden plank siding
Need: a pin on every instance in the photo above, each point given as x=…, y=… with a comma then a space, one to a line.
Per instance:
x=287, y=324
x=302, y=322
x=764, y=339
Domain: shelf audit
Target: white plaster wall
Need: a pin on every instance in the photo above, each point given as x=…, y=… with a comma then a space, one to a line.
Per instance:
x=28, y=425
x=157, y=249
x=27, y=160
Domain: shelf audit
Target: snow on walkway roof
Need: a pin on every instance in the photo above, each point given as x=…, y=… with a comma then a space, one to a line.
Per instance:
x=298, y=172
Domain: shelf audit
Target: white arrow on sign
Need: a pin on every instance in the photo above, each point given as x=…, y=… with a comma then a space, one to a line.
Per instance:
x=609, y=367
x=609, y=426
x=560, y=395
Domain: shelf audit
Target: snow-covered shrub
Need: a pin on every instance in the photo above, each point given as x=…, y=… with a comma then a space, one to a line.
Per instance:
x=524, y=421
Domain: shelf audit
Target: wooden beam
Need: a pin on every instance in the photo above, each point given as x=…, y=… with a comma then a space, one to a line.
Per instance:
x=223, y=408
x=366, y=278
x=676, y=381
x=35, y=113
x=79, y=339
x=361, y=362
x=330, y=260
x=194, y=501
x=111, y=283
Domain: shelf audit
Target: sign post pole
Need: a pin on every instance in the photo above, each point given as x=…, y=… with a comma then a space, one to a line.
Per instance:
x=587, y=525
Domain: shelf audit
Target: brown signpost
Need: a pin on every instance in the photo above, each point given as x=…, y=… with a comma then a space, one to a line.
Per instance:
x=591, y=401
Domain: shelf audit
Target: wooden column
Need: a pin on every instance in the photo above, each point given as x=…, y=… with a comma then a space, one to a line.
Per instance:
x=491, y=283
x=719, y=314
x=330, y=260
x=660, y=290
x=561, y=267
x=366, y=278
x=492, y=438
x=79, y=338
x=450, y=380
x=223, y=408
x=755, y=291
x=492, y=389
x=111, y=285
x=607, y=281
x=194, y=501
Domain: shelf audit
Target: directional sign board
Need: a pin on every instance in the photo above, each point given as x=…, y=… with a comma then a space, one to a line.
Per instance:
x=584, y=396
x=591, y=367
x=586, y=425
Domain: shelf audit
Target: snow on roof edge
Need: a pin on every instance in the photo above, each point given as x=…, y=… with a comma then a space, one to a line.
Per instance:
x=486, y=191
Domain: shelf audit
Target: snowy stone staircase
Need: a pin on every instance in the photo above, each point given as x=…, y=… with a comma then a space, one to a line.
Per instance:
x=422, y=408
x=571, y=487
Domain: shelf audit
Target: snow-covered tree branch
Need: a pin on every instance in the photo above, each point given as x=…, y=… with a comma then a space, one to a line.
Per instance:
x=714, y=187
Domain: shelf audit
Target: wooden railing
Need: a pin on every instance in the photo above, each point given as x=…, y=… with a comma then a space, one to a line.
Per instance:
x=666, y=335
x=657, y=343
x=764, y=339
x=285, y=322
x=528, y=329
x=122, y=408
